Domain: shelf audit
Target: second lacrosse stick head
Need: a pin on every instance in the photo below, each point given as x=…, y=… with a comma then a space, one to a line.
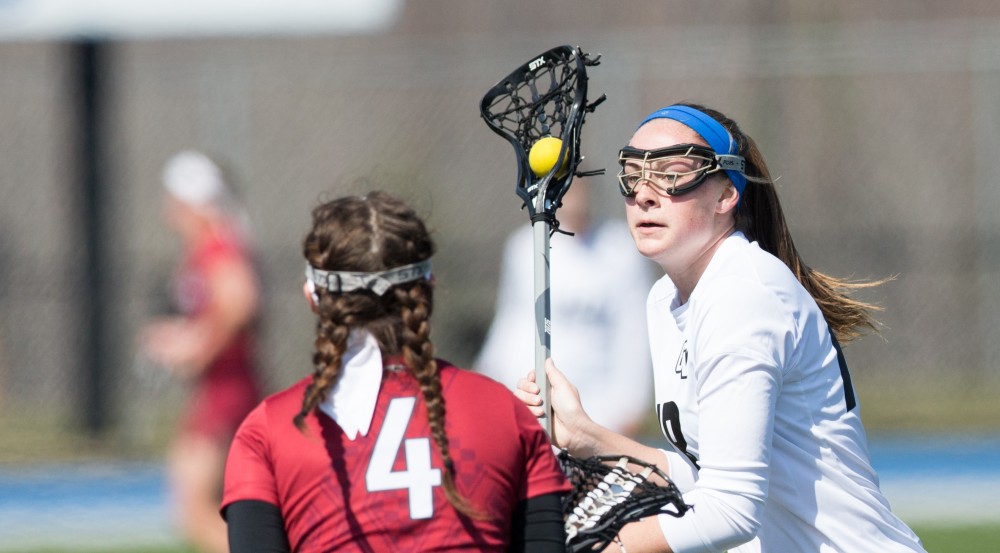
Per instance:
x=610, y=492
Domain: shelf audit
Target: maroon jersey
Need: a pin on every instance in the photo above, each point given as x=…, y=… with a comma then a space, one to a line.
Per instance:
x=382, y=492
x=228, y=388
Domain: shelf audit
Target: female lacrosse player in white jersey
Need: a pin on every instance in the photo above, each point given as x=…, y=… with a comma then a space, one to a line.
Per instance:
x=751, y=387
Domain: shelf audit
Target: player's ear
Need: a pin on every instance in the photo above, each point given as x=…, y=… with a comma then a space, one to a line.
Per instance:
x=728, y=198
x=309, y=291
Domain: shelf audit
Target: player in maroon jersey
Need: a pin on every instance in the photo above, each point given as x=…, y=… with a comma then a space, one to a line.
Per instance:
x=209, y=344
x=384, y=447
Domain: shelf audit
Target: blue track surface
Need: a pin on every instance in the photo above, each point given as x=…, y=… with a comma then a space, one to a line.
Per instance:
x=83, y=506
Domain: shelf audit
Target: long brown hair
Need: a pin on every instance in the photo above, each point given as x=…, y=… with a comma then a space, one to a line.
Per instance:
x=374, y=233
x=760, y=217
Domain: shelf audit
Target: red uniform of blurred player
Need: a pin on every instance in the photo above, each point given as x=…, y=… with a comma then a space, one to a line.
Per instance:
x=209, y=344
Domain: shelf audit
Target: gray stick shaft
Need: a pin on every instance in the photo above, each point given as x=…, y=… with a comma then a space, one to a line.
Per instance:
x=543, y=311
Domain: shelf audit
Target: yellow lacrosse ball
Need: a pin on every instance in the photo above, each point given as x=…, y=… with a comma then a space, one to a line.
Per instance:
x=543, y=155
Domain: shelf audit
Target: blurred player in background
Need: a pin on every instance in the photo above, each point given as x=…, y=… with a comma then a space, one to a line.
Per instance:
x=751, y=386
x=210, y=344
x=598, y=295
x=384, y=447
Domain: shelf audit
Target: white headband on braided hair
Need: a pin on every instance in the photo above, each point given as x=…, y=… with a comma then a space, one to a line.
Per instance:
x=378, y=282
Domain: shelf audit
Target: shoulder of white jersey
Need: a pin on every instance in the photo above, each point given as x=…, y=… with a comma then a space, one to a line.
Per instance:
x=740, y=258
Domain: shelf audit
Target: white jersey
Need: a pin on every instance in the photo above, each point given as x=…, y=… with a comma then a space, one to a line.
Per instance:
x=754, y=395
x=598, y=292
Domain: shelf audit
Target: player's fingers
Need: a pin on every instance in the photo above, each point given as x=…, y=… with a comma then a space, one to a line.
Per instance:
x=532, y=401
x=528, y=382
x=528, y=385
x=530, y=376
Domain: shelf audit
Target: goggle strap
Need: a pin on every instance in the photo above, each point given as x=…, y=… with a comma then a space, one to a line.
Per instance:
x=731, y=163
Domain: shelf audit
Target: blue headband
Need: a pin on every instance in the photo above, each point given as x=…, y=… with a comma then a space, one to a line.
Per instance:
x=710, y=130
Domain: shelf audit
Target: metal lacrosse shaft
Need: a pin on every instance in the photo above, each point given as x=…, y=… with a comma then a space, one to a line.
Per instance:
x=543, y=312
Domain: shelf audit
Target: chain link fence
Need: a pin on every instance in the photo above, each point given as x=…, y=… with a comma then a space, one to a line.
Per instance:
x=884, y=135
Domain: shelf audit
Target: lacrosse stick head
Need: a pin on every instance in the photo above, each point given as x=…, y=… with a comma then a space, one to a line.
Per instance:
x=547, y=96
x=610, y=492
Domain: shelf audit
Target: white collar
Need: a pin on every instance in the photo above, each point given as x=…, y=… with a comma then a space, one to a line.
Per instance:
x=352, y=401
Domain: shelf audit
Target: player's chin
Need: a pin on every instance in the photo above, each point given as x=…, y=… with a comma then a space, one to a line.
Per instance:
x=648, y=244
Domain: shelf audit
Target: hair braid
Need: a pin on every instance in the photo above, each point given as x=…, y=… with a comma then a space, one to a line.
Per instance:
x=331, y=343
x=418, y=351
x=325, y=247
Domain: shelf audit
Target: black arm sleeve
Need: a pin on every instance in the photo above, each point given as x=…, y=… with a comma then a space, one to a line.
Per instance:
x=255, y=527
x=537, y=526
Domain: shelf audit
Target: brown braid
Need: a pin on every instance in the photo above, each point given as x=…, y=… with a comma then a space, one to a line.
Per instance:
x=331, y=342
x=761, y=218
x=368, y=234
x=418, y=351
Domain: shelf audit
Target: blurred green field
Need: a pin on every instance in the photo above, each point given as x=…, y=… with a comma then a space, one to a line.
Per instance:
x=937, y=539
x=960, y=539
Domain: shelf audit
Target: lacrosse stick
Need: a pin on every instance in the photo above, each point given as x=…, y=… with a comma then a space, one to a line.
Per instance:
x=607, y=495
x=545, y=97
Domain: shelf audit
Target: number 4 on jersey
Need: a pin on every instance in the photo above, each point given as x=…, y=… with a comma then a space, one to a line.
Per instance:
x=419, y=478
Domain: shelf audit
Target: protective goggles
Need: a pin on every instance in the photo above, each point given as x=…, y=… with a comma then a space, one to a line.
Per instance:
x=675, y=170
